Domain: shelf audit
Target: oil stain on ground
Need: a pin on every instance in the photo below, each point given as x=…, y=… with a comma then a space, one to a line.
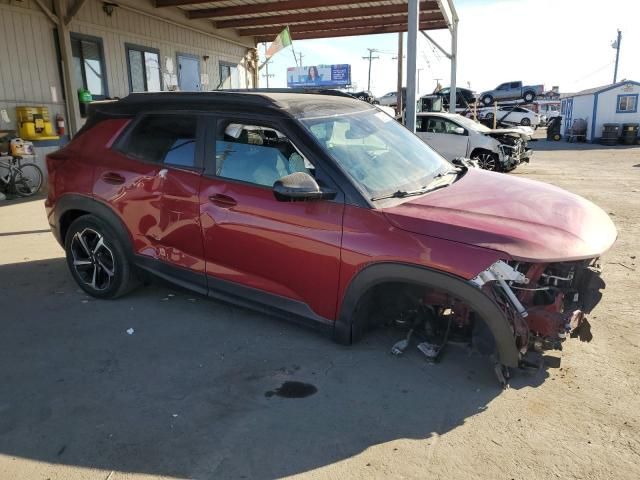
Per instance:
x=293, y=390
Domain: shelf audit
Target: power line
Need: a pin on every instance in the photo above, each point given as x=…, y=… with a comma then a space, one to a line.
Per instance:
x=370, y=58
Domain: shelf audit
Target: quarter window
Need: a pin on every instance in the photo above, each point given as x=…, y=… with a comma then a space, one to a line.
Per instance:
x=229, y=76
x=627, y=103
x=256, y=154
x=169, y=139
x=144, y=69
x=88, y=64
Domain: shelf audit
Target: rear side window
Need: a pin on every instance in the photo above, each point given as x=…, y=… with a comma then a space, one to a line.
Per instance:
x=169, y=139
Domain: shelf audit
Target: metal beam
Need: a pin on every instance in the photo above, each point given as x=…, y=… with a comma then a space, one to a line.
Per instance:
x=325, y=15
x=73, y=11
x=273, y=8
x=50, y=15
x=444, y=52
x=177, y=3
x=66, y=60
x=453, y=90
x=347, y=32
x=318, y=27
x=412, y=56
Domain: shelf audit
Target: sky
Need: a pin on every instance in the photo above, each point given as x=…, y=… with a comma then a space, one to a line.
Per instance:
x=553, y=42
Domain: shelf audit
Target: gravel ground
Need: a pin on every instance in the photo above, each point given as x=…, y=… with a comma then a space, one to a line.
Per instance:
x=190, y=393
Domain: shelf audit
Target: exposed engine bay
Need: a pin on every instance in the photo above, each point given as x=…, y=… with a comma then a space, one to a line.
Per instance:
x=544, y=303
x=513, y=147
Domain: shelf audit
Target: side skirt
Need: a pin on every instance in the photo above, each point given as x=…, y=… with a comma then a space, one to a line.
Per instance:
x=236, y=294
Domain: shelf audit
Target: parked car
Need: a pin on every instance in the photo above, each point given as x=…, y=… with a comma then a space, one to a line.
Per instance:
x=464, y=97
x=318, y=209
x=365, y=96
x=454, y=136
x=512, y=115
x=512, y=91
x=391, y=99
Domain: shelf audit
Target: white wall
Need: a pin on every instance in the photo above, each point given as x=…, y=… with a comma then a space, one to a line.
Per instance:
x=607, y=105
x=582, y=108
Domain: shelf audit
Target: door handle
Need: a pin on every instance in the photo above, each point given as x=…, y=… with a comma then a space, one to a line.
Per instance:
x=223, y=201
x=113, y=178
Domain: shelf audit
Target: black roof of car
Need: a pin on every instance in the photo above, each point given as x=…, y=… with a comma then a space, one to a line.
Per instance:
x=297, y=103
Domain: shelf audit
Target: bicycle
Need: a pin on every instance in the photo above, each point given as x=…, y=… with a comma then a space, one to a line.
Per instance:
x=23, y=180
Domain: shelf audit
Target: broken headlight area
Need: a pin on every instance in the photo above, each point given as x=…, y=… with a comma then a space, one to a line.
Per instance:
x=551, y=299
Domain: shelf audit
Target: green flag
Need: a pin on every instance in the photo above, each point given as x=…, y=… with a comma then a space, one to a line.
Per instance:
x=282, y=40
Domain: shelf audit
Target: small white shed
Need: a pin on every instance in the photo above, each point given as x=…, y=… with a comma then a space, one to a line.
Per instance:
x=615, y=103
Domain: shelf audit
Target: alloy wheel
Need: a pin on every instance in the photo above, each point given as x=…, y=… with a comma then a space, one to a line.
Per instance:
x=92, y=259
x=486, y=161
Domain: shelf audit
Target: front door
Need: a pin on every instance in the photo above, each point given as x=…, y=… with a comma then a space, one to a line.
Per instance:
x=290, y=250
x=188, y=73
x=444, y=136
x=153, y=181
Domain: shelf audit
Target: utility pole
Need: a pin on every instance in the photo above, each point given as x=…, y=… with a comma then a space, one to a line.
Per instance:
x=266, y=66
x=300, y=55
x=616, y=45
x=370, y=58
x=399, y=105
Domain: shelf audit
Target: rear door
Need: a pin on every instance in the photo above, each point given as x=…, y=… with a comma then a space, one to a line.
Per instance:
x=153, y=180
x=255, y=244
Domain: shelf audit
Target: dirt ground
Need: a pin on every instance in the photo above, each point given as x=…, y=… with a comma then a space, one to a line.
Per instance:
x=186, y=395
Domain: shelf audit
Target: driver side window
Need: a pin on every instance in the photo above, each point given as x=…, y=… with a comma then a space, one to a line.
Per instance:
x=256, y=154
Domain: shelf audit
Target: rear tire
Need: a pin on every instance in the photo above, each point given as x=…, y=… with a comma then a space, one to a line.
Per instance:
x=487, y=100
x=97, y=259
x=28, y=181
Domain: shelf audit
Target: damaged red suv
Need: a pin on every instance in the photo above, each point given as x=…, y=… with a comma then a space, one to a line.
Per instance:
x=323, y=209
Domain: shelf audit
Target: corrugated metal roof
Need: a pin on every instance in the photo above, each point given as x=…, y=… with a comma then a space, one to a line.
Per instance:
x=262, y=19
x=591, y=91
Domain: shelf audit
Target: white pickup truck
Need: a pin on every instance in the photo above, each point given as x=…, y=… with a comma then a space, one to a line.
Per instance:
x=512, y=91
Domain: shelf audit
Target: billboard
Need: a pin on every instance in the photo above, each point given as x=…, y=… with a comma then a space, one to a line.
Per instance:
x=319, y=76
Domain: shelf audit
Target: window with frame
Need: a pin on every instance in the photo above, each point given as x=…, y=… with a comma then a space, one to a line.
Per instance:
x=144, y=69
x=88, y=64
x=229, y=76
x=438, y=125
x=627, y=103
x=256, y=154
x=167, y=139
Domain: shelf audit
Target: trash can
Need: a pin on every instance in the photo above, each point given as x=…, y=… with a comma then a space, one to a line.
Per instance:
x=630, y=133
x=610, y=134
x=553, y=128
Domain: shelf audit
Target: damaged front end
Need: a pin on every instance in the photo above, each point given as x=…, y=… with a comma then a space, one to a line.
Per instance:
x=513, y=149
x=545, y=302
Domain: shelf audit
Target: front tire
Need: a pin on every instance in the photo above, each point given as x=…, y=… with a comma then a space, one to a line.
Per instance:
x=525, y=122
x=487, y=100
x=486, y=160
x=97, y=259
x=529, y=97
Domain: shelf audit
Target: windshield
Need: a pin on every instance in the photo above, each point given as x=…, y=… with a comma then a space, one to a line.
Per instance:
x=377, y=152
x=471, y=124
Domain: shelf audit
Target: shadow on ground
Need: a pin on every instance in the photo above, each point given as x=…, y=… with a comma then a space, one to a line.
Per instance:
x=184, y=395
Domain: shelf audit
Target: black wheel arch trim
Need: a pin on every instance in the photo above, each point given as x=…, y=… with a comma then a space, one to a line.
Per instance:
x=70, y=202
x=345, y=331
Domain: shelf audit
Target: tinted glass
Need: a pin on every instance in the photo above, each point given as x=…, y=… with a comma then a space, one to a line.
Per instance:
x=256, y=154
x=169, y=139
x=136, y=69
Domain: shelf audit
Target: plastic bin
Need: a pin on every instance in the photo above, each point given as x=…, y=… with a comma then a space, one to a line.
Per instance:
x=610, y=134
x=630, y=133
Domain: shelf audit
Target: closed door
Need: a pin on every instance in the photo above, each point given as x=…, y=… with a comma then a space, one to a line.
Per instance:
x=445, y=137
x=188, y=73
x=288, y=249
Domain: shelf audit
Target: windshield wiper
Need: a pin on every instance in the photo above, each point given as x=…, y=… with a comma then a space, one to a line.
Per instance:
x=435, y=184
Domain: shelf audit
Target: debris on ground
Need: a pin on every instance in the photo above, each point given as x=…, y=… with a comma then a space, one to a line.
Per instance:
x=130, y=331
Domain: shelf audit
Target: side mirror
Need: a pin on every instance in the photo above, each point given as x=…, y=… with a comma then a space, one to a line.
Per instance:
x=459, y=131
x=299, y=186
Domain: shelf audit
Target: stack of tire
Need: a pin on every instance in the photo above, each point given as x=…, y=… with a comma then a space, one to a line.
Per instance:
x=630, y=133
x=610, y=134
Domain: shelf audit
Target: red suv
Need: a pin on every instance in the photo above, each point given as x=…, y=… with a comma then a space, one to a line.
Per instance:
x=322, y=208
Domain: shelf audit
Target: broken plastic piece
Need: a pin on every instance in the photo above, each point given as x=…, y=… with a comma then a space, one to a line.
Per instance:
x=130, y=331
x=399, y=347
x=430, y=350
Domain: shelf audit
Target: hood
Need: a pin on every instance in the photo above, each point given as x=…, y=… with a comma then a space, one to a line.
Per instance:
x=530, y=221
x=519, y=132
